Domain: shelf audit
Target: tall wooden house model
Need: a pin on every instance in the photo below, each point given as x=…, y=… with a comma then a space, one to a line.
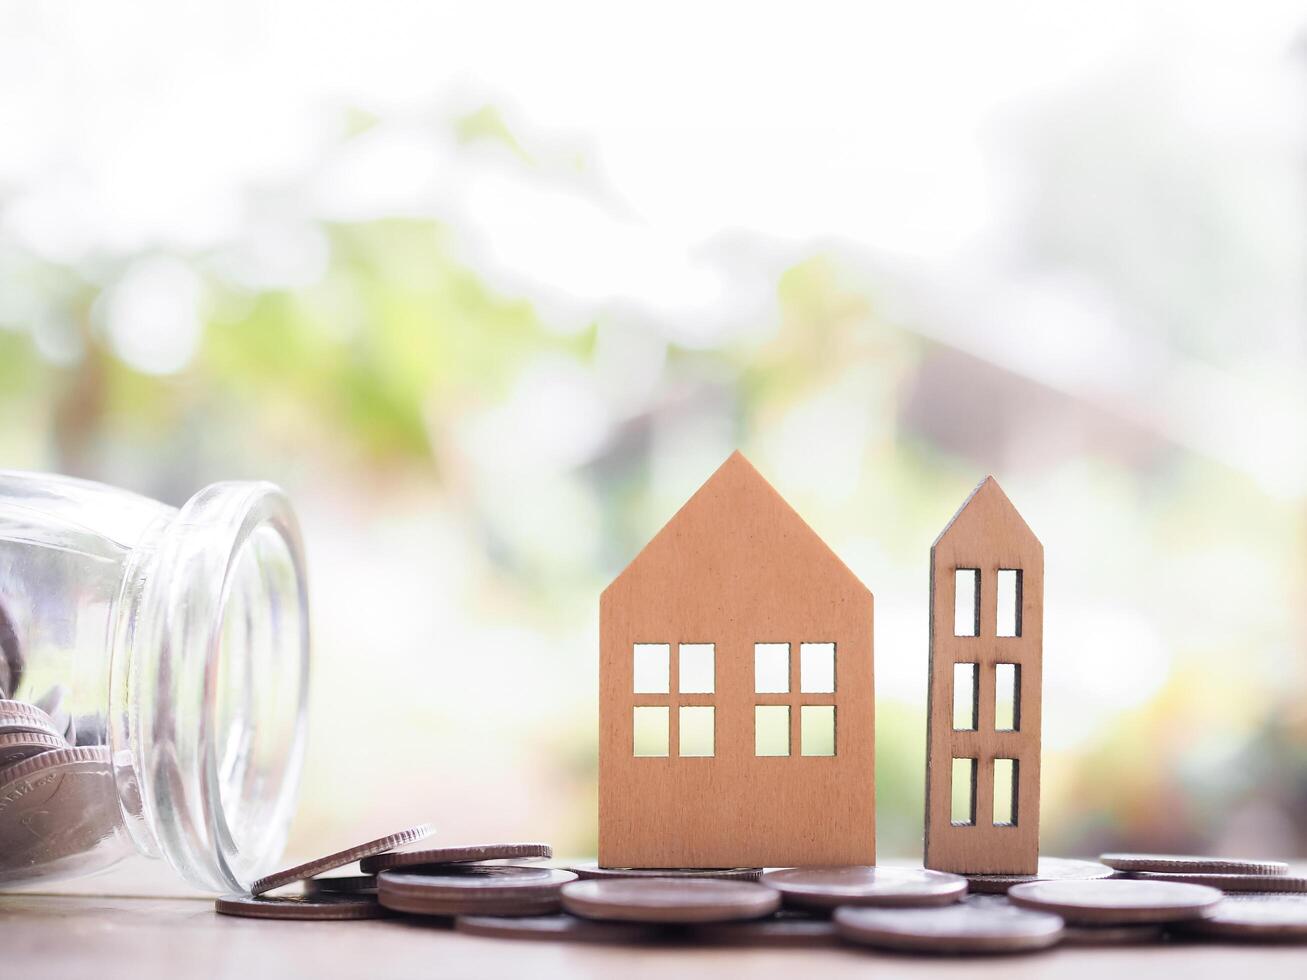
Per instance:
x=983, y=714
x=736, y=705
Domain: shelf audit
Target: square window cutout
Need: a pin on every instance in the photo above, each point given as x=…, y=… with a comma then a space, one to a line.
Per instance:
x=650, y=724
x=696, y=668
x=771, y=729
x=817, y=668
x=817, y=729
x=771, y=668
x=697, y=731
x=652, y=667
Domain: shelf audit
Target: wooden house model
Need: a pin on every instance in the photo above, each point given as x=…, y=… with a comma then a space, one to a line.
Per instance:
x=983, y=714
x=736, y=707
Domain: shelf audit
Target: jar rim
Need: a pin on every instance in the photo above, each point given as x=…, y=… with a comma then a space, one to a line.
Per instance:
x=172, y=684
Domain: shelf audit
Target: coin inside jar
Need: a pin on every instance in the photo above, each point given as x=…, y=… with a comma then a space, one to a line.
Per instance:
x=825, y=888
x=669, y=900
x=19, y=716
x=17, y=747
x=55, y=808
x=1116, y=901
x=950, y=929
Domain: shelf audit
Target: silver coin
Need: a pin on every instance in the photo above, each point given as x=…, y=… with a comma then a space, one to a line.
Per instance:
x=303, y=907
x=559, y=927
x=826, y=888
x=1049, y=869
x=331, y=862
x=950, y=929
x=1192, y=864
x=1255, y=919
x=777, y=930
x=473, y=889
x=669, y=901
x=55, y=806
x=1230, y=882
x=16, y=747
x=1117, y=901
x=341, y=885
x=1123, y=935
x=462, y=854
x=591, y=869
x=19, y=716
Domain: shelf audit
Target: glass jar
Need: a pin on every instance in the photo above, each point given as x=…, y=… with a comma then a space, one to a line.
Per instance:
x=169, y=650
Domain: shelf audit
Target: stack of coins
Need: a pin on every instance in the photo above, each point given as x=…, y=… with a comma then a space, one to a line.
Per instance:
x=901, y=909
x=43, y=771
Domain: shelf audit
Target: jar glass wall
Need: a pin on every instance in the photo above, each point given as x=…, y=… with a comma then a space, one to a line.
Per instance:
x=169, y=650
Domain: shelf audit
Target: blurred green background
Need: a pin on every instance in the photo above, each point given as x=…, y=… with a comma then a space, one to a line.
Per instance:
x=491, y=291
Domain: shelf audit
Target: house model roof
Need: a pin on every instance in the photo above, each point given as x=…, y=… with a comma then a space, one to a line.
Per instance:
x=735, y=529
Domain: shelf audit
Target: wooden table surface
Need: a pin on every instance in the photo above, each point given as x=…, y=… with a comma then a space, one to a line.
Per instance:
x=134, y=922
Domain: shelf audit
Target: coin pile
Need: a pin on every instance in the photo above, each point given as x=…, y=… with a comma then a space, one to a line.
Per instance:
x=1126, y=899
x=44, y=770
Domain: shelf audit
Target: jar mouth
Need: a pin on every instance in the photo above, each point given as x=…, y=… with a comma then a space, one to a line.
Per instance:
x=211, y=705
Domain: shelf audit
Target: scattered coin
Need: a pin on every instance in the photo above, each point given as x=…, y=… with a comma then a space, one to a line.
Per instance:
x=16, y=747
x=1173, y=864
x=669, y=900
x=561, y=926
x=54, y=806
x=1124, y=935
x=951, y=929
x=319, y=907
x=1050, y=869
x=340, y=858
x=826, y=888
x=453, y=855
x=1116, y=901
x=341, y=885
x=591, y=869
x=1261, y=919
x=778, y=930
x=1231, y=882
x=474, y=889
x=19, y=716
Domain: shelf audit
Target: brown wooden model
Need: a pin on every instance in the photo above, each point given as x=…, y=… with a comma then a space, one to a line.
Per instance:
x=736, y=567
x=985, y=538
